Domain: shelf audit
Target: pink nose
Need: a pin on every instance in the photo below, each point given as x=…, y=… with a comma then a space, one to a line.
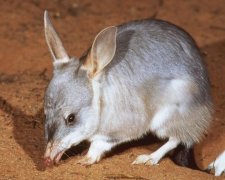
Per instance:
x=48, y=162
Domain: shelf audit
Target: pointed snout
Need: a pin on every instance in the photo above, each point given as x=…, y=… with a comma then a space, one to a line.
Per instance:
x=48, y=162
x=52, y=155
x=47, y=159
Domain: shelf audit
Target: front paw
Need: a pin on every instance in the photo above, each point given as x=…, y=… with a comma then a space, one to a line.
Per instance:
x=87, y=161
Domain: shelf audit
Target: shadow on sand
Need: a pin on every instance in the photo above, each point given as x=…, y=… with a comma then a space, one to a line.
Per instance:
x=28, y=131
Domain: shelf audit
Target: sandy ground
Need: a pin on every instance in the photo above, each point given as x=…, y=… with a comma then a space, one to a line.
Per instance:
x=26, y=69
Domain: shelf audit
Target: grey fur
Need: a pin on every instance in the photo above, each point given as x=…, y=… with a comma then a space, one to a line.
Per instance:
x=152, y=57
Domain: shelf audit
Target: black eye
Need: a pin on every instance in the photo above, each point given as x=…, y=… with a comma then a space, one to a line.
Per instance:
x=70, y=119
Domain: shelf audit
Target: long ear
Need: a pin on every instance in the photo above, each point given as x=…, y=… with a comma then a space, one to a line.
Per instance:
x=102, y=51
x=54, y=43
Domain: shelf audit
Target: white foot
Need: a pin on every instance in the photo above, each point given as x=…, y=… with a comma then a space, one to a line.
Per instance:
x=156, y=156
x=95, y=152
x=86, y=161
x=146, y=159
x=218, y=165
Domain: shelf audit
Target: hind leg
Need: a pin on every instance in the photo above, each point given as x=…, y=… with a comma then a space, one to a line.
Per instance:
x=155, y=157
x=158, y=125
x=175, y=106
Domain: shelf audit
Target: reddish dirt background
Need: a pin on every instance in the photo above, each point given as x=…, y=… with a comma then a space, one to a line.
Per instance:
x=26, y=69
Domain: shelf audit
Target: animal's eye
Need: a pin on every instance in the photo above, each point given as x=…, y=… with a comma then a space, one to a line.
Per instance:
x=70, y=119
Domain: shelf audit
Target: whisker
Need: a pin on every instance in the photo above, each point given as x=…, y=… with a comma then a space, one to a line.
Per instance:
x=65, y=151
x=63, y=148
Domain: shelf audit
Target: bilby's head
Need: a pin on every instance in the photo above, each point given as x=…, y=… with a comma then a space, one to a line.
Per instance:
x=70, y=116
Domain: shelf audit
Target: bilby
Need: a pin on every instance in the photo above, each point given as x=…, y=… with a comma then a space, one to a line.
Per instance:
x=144, y=76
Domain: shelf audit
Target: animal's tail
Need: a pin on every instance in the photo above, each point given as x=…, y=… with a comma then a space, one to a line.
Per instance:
x=184, y=156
